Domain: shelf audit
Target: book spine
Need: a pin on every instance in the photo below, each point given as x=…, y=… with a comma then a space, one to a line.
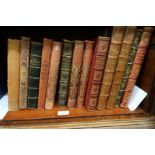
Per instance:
x=65, y=68
x=129, y=64
x=122, y=61
x=75, y=72
x=86, y=63
x=13, y=73
x=142, y=48
x=53, y=75
x=24, y=65
x=96, y=72
x=44, y=72
x=34, y=74
x=114, y=49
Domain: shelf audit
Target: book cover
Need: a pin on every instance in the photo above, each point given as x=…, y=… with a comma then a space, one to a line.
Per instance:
x=65, y=69
x=75, y=72
x=86, y=64
x=114, y=50
x=122, y=61
x=141, y=51
x=129, y=64
x=34, y=74
x=96, y=72
x=44, y=71
x=53, y=74
x=24, y=65
x=13, y=73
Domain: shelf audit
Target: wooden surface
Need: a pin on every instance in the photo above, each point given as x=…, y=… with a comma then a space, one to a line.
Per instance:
x=74, y=112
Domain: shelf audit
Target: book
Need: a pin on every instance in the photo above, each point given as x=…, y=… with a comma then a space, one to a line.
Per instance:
x=86, y=64
x=122, y=61
x=13, y=73
x=96, y=72
x=75, y=72
x=129, y=64
x=34, y=74
x=53, y=75
x=24, y=65
x=44, y=72
x=65, y=69
x=135, y=70
x=146, y=77
x=114, y=50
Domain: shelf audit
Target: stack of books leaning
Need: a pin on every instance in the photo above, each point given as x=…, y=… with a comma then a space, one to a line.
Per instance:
x=95, y=74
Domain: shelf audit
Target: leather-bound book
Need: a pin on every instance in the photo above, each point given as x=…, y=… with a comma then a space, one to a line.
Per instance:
x=96, y=72
x=13, y=73
x=24, y=65
x=34, y=74
x=44, y=72
x=122, y=61
x=53, y=75
x=129, y=64
x=147, y=76
x=75, y=72
x=65, y=69
x=86, y=64
x=142, y=48
x=114, y=50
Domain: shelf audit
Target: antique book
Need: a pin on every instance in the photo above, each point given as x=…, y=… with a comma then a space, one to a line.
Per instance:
x=114, y=50
x=44, y=72
x=53, y=74
x=65, y=69
x=34, y=74
x=13, y=73
x=141, y=51
x=122, y=61
x=147, y=75
x=75, y=72
x=24, y=64
x=86, y=64
x=129, y=64
x=96, y=72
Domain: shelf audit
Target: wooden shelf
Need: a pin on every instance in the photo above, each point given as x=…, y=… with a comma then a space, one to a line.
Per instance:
x=75, y=112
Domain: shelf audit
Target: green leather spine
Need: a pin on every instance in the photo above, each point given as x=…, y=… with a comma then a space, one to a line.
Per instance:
x=129, y=64
x=34, y=74
x=65, y=69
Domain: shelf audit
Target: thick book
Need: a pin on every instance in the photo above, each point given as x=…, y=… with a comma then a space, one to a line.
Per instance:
x=86, y=64
x=13, y=73
x=53, y=75
x=34, y=74
x=24, y=65
x=44, y=71
x=135, y=70
x=114, y=50
x=146, y=77
x=65, y=69
x=129, y=64
x=122, y=61
x=75, y=72
x=96, y=72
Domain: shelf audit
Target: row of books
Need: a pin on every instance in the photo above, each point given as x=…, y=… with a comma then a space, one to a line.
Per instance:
x=95, y=74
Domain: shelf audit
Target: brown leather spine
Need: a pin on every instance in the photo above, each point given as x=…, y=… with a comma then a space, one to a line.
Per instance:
x=53, y=75
x=114, y=50
x=96, y=72
x=24, y=65
x=86, y=63
x=75, y=72
x=45, y=63
x=13, y=73
x=122, y=61
x=142, y=48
